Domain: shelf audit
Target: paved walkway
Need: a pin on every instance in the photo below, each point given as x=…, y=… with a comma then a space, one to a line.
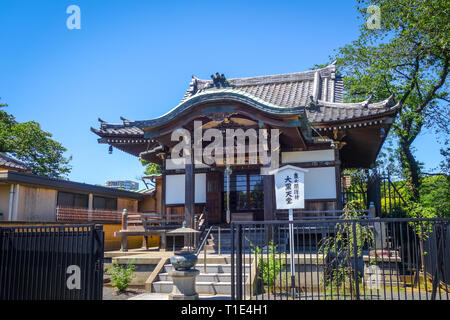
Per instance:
x=165, y=296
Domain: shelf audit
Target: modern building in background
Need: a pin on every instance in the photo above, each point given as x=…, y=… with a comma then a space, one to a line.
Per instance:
x=123, y=184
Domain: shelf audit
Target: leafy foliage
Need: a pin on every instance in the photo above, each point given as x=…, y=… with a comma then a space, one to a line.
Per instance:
x=435, y=194
x=270, y=266
x=407, y=58
x=30, y=144
x=151, y=169
x=340, y=247
x=121, y=276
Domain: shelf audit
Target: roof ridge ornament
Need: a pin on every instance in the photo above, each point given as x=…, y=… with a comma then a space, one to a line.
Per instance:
x=193, y=85
x=219, y=81
x=313, y=106
x=365, y=103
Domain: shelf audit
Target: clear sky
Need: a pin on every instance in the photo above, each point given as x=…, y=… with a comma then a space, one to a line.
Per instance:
x=135, y=59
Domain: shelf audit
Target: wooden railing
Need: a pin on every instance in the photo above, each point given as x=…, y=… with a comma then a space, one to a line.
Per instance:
x=65, y=214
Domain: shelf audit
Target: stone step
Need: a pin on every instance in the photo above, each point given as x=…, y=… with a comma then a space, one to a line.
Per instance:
x=202, y=277
x=210, y=268
x=206, y=287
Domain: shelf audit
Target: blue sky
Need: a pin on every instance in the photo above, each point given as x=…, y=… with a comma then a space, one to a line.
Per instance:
x=135, y=59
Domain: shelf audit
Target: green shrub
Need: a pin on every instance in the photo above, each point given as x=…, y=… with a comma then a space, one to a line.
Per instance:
x=270, y=267
x=121, y=276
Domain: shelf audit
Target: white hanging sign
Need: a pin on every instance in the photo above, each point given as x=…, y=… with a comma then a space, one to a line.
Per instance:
x=290, y=187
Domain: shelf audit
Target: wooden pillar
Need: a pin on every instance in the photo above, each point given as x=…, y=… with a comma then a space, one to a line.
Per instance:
x=163, y=236
x=90, y=206
x=269, y=203
x=337, y=167
x=189, y=200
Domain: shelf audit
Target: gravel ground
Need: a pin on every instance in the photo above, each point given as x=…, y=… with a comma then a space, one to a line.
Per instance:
x=110, y=293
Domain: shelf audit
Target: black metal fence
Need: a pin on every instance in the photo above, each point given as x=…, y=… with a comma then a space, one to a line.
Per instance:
x=367, y=259
x=62, y=262
x=381, y=189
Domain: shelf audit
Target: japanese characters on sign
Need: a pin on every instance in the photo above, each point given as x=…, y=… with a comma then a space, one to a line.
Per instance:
x=289, y=187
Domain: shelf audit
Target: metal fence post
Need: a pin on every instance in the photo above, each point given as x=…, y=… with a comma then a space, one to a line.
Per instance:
x=355, y=254
x=239, y=262
x=233, y=278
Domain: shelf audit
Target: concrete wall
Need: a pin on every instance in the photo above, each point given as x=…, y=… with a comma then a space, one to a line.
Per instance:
x=35, y=204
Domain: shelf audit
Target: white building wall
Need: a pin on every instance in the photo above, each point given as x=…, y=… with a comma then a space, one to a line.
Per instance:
x=179, y=164
x=320, y=182
x=175, y=188
x=307, y=156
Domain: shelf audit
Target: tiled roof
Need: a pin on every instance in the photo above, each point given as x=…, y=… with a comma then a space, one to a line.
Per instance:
x=285, y=90
x=333, y=112
x=8, y=162
x=318, y=93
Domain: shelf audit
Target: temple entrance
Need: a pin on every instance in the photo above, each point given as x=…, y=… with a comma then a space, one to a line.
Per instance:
x=246, y=196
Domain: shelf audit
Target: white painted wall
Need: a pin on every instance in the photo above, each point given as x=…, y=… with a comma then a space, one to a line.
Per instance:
x=320, y=183
x=179, y=164
x=175, y=188
x=307, y=156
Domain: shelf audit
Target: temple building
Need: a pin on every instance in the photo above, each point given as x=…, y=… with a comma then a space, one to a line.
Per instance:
x=317, y=131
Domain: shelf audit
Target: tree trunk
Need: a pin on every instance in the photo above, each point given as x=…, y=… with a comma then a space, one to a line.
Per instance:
x=411, y=168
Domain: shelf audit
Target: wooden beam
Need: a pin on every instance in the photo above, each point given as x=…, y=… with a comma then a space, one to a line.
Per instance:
x=338, y=180
x=163, y=237
x=189, y=200
x=269, y=202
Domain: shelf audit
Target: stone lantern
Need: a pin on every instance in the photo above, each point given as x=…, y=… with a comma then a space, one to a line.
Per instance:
x=183, y=273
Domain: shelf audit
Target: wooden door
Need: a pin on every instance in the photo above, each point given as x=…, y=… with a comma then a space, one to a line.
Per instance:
x=214, y=186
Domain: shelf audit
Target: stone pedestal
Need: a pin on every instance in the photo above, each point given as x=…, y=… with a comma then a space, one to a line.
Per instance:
x=184, y=284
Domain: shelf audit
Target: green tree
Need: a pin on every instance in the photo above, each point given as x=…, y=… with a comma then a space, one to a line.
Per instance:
x=409, y=59
x=30, y=144
x=151, y=168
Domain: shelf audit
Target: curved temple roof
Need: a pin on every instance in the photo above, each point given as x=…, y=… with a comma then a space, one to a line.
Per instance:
x=315, y=95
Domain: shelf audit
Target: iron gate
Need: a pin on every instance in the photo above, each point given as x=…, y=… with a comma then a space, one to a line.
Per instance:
x=63, y=262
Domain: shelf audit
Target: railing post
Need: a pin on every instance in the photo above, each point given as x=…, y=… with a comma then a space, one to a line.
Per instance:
x=124, y=227
x=204, y=259
x=218, y=230
x=195, y=228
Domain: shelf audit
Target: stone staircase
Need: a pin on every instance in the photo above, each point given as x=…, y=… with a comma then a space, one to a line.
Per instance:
x=216, y=280
x=249, y=238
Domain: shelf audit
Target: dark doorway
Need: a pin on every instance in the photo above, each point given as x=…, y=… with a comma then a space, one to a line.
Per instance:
x=214, y=196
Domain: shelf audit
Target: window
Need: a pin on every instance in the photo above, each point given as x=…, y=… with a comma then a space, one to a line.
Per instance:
x=103, y=203
x=72, y=200
x=246, y=192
